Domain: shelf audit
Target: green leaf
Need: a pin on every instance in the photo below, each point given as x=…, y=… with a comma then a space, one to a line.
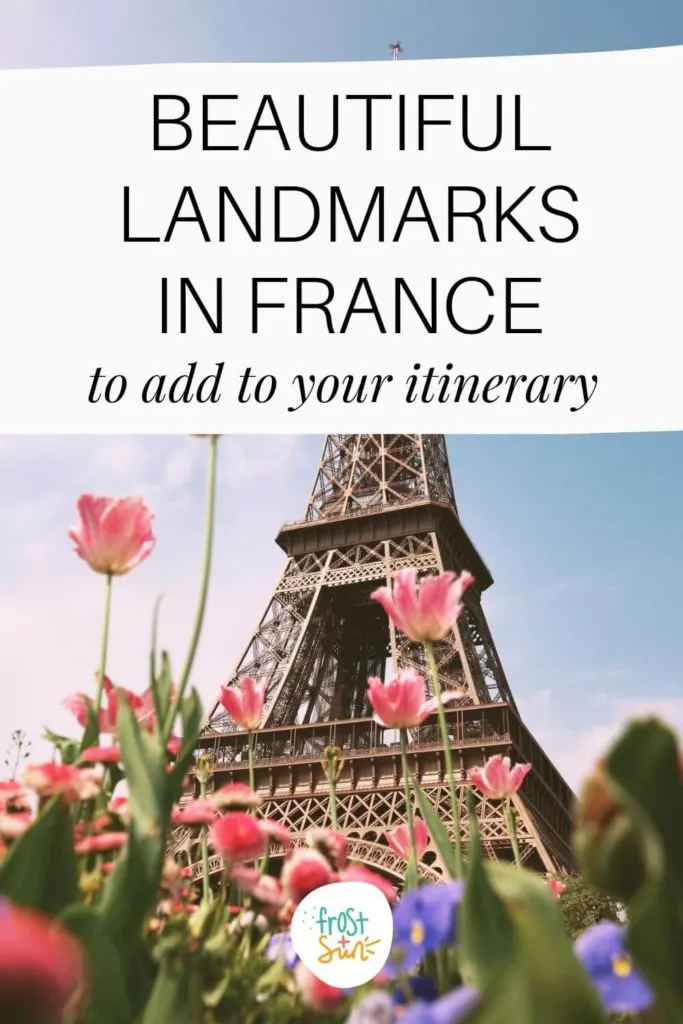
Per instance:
x=192, y=713
x=39, y=870
x=437, y=830
x=539, y=980
x=176, y=997
x=159, y=708
x=131, y=890
x=68, y=748
x=644, y=766
x=107, y=999
x=488, y=940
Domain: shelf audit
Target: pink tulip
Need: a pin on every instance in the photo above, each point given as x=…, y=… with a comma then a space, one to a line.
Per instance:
x=13, y=825
x=114, y=534
x=72, y=783
x=41, y=968
x=305, y=871
x=429, y=614
x=142, y=706
x=244, y=703
x=401, y=703
x=497, y=779
x=399, y=839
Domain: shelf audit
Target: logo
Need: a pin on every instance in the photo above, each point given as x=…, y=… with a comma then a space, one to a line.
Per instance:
x=343, y=932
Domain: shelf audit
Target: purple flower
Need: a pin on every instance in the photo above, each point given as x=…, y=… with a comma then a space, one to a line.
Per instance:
x=424, y=920
x=602, y=951
x=422, y=989
x=447, y=1010
x=377, y=1008
x=280, y=948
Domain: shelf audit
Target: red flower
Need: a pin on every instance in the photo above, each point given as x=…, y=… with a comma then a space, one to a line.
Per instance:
x=15, y=824
x=401, y=703
x=142, y=706
x=102, y=843
x=244, y=703
x=114, y=534
x=72, y=783
x=196, y=812
x=359, y=873
x=314, y=992
x=239, y=837
x=41, y=968
x=305, y=871
x=399, y=839
x=497, y=779
x=429, y=614
x=556, y=887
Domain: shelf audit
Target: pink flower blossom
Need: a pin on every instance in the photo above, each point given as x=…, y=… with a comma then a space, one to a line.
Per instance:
x=101, y=755
x=196, y=812
x=305, y=871
x=331, y=844
x=315, y=993
x=244, y=703
x=41, y=968
x=72, y=783
x=359, y=873
x=263, y=888
x=240, y=837
x=401, y=703
x=114, y=534
x=102, y=843
x=15, y=824
x=556, y=887
x=427, y=614
x=399, y=839
x=497, y=779
x=142, y=706
x=235, y=797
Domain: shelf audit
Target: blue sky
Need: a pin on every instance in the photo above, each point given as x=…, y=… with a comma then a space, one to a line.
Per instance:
x=583, y=534
x=52, y=32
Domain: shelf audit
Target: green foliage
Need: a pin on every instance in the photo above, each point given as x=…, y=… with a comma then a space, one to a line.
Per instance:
x=39, y=870
x=582, y=906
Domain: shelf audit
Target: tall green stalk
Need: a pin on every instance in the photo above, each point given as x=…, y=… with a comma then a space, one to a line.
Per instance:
x=203, y=588
x=250, y=753
x=443, y=725
x=511, y=822
x=332, y=767
x=412, y=862
x=103, y=646
x=206, y=888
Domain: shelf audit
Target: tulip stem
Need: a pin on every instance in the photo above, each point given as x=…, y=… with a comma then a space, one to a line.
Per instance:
x=203, y=589
x=250, y=753
x=103, y=647
x=511, y=822
x=409, y=805
x=455, y=803
x=206, y=888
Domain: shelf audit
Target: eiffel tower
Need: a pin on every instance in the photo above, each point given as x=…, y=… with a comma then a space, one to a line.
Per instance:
x=380, y=503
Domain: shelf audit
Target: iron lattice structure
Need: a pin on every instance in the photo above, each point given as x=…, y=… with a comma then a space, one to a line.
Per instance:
x=379, y=503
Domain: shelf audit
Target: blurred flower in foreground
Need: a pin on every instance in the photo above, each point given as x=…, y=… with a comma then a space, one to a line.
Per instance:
x=305, y=871
x=602, y=951
x=142, y=706
x=280, y=948
x=72, y=783
x=428, y=614
x=244, y=702
x=401, y=703
x=556, y=887
x=424, y=921
x=114, y=534
x=239, y=837
x=316, y=993
x=359, y=873
x=399, y=840
x=498, y=779
x=379, y=1008
x=41, y=968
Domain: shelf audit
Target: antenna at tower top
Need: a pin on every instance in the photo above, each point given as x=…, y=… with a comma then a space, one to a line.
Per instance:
x=396, y=49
